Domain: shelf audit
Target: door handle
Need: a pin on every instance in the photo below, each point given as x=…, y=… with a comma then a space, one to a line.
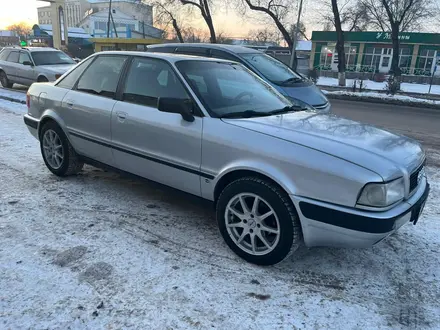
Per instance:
x=69, y=103
x=121, y=115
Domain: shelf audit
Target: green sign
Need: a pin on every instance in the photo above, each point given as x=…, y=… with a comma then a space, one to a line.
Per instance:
x=382, y=37
x=23, y=43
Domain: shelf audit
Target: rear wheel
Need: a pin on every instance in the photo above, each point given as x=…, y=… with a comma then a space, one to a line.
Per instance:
x=4, y=80
x=258, y=221
x=42, y=79
x=58, y=154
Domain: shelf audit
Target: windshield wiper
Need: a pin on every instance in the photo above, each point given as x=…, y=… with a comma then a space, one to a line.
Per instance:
x=288, y=108
x=292, y=79
x=244, y=114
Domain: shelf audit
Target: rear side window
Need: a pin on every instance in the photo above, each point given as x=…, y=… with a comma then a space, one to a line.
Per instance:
x=102, y=76
x=224, y=55
x=4, y=54
x=70, y=80
x=162, y=49
x=196, y=51
x=13, y=57
x=148, y=80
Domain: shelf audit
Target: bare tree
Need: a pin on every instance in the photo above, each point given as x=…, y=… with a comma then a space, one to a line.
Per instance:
x=353, y=15
x=397, y=16
x=302, y=31
x=205, y=11
x=166, y=14
x=339, y=43
x=263, y=36
x=278, y=11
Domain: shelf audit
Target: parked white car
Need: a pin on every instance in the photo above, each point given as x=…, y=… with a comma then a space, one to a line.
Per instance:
x=25, y=66
x=277, y=173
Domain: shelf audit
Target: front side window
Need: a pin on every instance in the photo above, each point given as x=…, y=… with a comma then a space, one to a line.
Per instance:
x=51, y=58
x=148, y=80
x=274, y=70
x=13, y=57
x=102, y=76
x=227, y=88
x=24, y=57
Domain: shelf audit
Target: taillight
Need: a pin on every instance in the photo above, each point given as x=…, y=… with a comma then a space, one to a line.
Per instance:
x=28, y=100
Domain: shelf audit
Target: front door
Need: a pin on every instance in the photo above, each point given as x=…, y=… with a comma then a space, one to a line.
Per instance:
x=25, y=71
x=385, y=60
x=87, y=108
x=157, y=145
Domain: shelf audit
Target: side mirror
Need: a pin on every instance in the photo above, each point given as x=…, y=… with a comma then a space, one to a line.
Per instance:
x=174, y=105
x=28, y=63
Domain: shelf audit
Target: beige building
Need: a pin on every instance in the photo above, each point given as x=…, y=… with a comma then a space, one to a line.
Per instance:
x=76, y=10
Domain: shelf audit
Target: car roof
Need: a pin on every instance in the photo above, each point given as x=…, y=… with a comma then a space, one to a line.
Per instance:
x=166, y=56
x=232, y=48
x=33, y=49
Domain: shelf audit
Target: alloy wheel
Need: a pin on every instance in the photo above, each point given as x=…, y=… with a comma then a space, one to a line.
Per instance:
x=53, y=149
x=252, y=224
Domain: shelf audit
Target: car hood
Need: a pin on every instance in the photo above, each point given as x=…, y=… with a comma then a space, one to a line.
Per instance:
x=380, y=151
x=60, y=68
x=309, y=94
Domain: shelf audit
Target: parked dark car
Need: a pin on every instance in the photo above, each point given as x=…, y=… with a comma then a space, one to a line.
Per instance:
x=276, y=73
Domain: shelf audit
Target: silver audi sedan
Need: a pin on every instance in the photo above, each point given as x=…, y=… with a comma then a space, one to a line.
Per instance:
x=278, y=172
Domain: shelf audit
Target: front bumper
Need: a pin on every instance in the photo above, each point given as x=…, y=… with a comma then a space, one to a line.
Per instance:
x=325, y=224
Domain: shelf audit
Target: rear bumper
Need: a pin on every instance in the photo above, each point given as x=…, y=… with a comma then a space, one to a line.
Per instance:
x=32, y=125
x=325, y=224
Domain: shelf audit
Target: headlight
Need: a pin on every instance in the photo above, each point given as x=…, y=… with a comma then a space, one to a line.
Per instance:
x=299, y=103
x=382, y=194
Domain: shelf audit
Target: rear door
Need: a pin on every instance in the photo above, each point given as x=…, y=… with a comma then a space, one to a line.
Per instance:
x=157, y=145
x=10, y=67
x=87, y=108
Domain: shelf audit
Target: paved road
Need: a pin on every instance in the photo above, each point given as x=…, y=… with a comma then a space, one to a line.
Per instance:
x=419, y=123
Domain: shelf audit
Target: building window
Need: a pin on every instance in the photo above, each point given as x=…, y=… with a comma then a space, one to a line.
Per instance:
x=372, y=57
x=426, y=58
x=405, y=58
x=325, y=60
x=350, y=56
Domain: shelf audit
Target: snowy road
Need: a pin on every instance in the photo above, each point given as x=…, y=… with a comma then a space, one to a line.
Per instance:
x=101, y=251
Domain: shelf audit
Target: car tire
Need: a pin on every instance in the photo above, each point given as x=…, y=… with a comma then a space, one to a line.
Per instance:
x=58, y=154
x=5, y=81
x=42, y=79
x=245, y=231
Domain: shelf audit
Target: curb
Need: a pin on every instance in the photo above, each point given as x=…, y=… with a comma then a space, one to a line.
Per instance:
x=11, y=99
x=372, y=99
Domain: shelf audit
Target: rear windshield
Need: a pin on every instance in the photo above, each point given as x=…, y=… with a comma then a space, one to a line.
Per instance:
x=51, y=58
x=274, y=70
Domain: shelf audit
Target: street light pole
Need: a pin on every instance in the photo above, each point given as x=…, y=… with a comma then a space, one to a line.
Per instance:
x=109, y=17
x=295, y=37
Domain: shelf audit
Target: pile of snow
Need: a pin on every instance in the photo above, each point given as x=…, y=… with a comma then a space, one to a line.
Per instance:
x=381, y=96
x=378, y=86
x=12, y=95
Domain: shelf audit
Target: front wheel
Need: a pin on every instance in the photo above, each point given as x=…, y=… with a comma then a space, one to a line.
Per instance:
x=58, y=154
x=258, y=221
x=4, y=80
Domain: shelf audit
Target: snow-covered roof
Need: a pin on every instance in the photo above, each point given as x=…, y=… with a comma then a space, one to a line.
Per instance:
x=74, y=32
x=304, y=45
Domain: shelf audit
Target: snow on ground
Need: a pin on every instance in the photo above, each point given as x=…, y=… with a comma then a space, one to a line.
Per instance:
x=382, y=96
x=104, y=251
x=405, y=87
x=14, y=94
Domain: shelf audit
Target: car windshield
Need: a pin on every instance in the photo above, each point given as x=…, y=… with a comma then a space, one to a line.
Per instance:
x=230, y=90
x=51, y=58
x=274, y=70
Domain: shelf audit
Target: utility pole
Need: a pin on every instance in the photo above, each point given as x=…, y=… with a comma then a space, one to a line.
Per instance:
x=295, y=37
x=109, y=17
